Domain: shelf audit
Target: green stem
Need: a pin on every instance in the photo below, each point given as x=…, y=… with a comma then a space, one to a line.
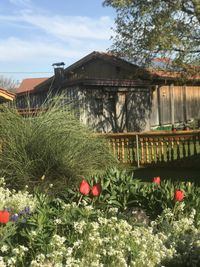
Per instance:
x=80, y=200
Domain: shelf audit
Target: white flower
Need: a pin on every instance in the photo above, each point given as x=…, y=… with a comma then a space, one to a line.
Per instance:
x=4, y=248
x=57, y=221
x=16, y=251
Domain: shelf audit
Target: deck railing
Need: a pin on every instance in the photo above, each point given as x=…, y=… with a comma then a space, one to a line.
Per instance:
x=149, y=148
x=31, y=111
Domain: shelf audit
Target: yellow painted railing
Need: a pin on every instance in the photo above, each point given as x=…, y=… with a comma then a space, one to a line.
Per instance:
x=148, y=148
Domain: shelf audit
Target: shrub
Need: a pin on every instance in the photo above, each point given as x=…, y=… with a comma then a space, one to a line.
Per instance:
x=120, y=190
x=180, y=232
x=58, y=233
x=52, y=146
x=64, y=234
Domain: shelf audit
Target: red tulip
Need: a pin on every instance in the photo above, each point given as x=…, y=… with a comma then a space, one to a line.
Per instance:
x=4, y=216
x=84, y=187
x=179, y=195
x=96, y=190
x=156, y=180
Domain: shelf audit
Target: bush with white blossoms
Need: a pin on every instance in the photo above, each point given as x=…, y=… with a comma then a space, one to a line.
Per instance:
x=181, y=234
x=15, y=201
x=62, y=234
x=58, y=233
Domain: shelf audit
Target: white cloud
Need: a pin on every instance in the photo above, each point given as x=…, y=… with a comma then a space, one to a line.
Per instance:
x=19, y=50
x=64, y=27
x=14, y=49
x=72, y=26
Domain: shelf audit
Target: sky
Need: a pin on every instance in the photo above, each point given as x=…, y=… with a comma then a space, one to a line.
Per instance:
x=34, y=34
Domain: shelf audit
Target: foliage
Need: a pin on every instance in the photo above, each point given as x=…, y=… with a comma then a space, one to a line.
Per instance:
x=52, y=147
x=131, y=196
x=120, y=190
x=162, y=28
x=58, y=233
x=181, y=234
x=64, y=234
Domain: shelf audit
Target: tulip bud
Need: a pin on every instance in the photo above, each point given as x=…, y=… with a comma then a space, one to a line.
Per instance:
x=96, y=190
x=156, y=180
x=4, y=216
x=84, y=187
x=179, y=195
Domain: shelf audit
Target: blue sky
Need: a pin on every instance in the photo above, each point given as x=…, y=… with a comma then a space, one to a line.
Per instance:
x=37, y=33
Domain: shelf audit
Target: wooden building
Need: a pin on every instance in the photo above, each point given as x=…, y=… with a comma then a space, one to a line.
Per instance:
x=113, y=95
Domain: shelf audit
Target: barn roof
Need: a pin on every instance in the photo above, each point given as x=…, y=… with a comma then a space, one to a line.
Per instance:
x=158, y=74
x=29, y=84
x=108, y=57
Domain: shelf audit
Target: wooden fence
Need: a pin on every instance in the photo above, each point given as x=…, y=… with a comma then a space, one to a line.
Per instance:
x=31, y=111
x=154, y=148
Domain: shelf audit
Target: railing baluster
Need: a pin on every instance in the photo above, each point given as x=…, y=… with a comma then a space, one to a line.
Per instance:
x=134, y=150
x=157, y=150
x=184, y=150
x=152, y=150
x=118, y=149
x=167, y=149
x=128, y=150
x=162, y=150
x=114, y=145
x=189, y=149
x=142, y=151
x=172, y=148
x=178, y=148
x=122, y=143
x=147, y=149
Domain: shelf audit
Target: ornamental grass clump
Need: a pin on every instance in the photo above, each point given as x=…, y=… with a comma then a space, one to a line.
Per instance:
x=50, y=147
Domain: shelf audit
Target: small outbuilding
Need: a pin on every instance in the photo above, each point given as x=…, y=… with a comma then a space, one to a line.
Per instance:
x=111, y=94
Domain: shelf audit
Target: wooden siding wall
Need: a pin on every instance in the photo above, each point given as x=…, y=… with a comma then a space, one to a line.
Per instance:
x=109, y=110
x=138, y=104
x=30, y=100
x=165, y=105
x=179, y=103
x=115, y=109
x=99, y=69
x=193, y=102
x=174, y=104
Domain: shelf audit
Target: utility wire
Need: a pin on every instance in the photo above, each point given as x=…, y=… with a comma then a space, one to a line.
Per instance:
x=18, y=72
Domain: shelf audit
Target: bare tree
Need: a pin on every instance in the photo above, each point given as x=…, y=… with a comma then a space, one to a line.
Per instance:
x=8, y=83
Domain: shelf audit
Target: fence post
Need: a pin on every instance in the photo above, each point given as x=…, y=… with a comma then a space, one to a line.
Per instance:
x=171, y=95
x=137, y=151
